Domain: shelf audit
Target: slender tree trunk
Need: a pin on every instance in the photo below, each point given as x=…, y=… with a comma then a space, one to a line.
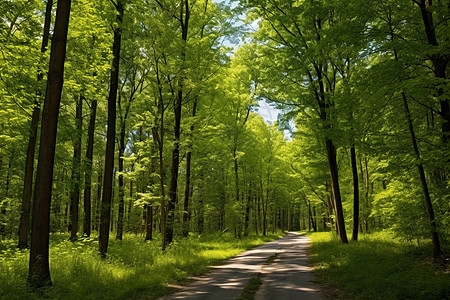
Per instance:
x=331, y=152
x=355, y=195
x=222, y=202
x=265, y=208
x=98, y=207
x=429, y=28
x=88, y=174
x=201, y=212
x=29, y=163
x=39, y=272
x=76, y=170
x=434, y=235
x=274, y=218
x=149, y=223
x=184, y=20
x=255, y=213
x=247, y=210
x=236, y=171
x=122, y=145
x=130, y=206
x=187, y=186
x=110, y=137
x=259, y=211
x=158, y=138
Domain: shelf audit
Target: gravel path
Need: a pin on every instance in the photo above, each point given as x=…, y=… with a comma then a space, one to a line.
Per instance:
x=288, y=276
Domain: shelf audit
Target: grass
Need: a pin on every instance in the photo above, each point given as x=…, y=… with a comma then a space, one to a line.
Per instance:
x=134, y=269
x=251, y=288
x=378, y=266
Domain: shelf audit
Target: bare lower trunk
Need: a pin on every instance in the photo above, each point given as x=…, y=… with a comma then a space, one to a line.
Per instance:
x=187, y=187
x=331, y=152
x=88, y=174
x=247, y=211
x=149, y=223
x=110, y=138
x=39, y=272
x=355, y=195
x=434, y=236
x=121, y=185
x=76, y=169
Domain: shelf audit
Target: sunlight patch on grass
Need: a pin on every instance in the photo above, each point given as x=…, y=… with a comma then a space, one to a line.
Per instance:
x=378, y=266
x=134, y=269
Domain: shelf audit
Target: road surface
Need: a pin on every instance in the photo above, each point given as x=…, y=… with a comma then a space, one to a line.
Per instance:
x=288, y=276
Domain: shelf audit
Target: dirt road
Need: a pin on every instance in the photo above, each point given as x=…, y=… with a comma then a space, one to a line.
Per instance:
x=287, y=276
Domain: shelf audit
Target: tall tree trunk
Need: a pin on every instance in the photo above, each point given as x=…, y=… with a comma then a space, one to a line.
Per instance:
x=149, y=223
x=39, y=272
x=265, y=208
x=330, y=207
x=355, y=194
x=331, y=152
x=247, y=210
x=29, y=163
x=429, y=28
x=201, y=214
x=255, y=213
x=158, y=138
x=76, y=170
x=236, y=171
x=324, y=104
x=184, y=21
x=110, y=136
x=98, y=206
x=187, y=186
x=130, y=206
x=434, y=236
x=122, y=145
x=88, y=174
x=260, y=195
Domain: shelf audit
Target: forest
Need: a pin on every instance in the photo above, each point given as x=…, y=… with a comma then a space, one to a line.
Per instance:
x=137, y=126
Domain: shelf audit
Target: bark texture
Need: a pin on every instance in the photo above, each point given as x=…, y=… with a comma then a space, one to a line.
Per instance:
x=355, y=194
x=105, y=214
x=39, y=272
x=88, y=174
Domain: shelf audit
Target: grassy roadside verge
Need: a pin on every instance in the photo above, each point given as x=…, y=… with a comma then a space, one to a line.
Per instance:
x=134, y=270
x=377, y=267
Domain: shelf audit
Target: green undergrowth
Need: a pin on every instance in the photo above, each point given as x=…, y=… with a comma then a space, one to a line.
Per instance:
x=134, y=269
x=378, y=266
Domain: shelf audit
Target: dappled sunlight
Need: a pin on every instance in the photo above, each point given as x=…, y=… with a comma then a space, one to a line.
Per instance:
x=288, y=273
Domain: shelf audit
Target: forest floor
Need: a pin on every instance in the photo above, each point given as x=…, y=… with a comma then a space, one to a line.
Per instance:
x=134, y=269
x=276, y=270
x=379, y=266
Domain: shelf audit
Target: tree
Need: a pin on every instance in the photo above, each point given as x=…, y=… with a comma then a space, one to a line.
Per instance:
x=111, y=134
x=39, y=273
x=76, y=172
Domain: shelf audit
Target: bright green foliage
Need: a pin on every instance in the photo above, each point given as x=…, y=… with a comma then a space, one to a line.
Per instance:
x=336, y=69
